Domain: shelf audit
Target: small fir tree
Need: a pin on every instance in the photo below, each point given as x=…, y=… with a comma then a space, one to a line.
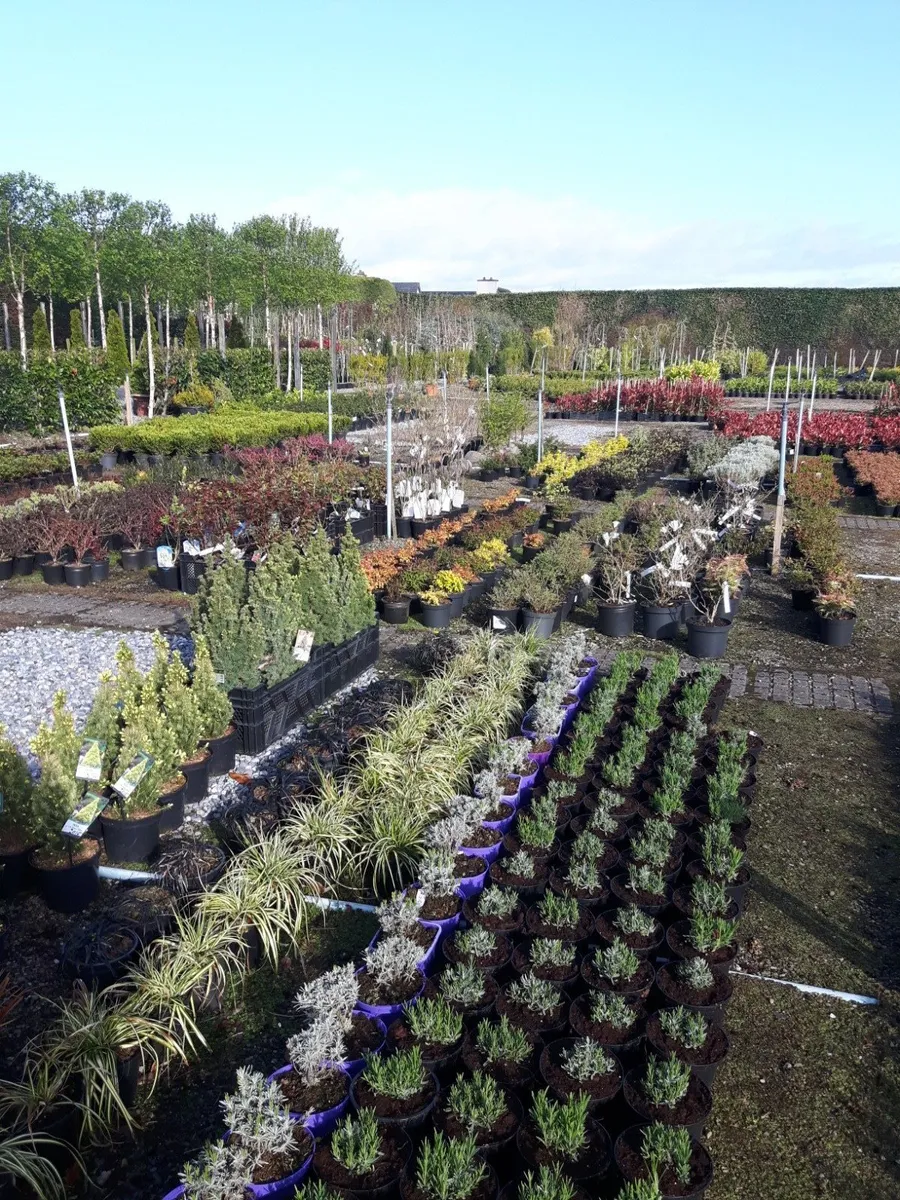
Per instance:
x=40, y=336
x=147, y=728
x=181, y=709
x=355, y=603
x=104, y=721
x=191, y=336
x=318, y=586
x=129, y=681
x=221, y=614
x=215, y=709
x=16, y=787
x=235, y=339
x=57, y=791
x=116, y=346
x=76, y=333
x=276, y=608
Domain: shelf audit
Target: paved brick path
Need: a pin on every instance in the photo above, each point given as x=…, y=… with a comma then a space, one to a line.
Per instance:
x=850, y=522
x=86, y=608
x=799, y=688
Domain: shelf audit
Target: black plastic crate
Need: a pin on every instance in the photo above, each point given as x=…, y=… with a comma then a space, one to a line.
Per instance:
x=190, y=570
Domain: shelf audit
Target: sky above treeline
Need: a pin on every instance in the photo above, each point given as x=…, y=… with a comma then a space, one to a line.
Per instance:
x=660, y=143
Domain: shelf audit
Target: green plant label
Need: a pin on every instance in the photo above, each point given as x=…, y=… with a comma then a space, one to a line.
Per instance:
x=303, y=643
x=90, y=760
x=85, y=814
x=133, y=774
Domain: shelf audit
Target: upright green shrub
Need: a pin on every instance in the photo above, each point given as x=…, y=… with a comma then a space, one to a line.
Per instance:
x=318, y=589
x=356, y=603
x=276, y=607
x=215, y=708
x=116, y=347
x=191, y=335
x=76, y=333
x=40, y=335
x=236, y=643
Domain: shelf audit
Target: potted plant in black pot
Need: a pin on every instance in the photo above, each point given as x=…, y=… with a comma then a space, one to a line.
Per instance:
x=217, y=731
x=17, y=833
x=395, y=603
x=707, y=630
x=83, y=535
x=665, y=1159
x=435, y=609
x=448, y=1167
x=835, y=605
x=618, y=558
x=397, y=1088
x=362, y=1158
x=66, y=867
x=506, y=1050
x=433, y=1026
x=573, y=1065
x=665, y=1090
x=51, y=534
x=479, y=1107
x=504, y=604
x=540, y=607
x=560, y=1132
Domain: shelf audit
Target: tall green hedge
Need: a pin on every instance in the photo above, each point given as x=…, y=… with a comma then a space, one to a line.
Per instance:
x=838, y=318
x=29, y=400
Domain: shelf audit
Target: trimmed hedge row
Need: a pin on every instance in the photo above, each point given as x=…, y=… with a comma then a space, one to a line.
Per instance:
x=204, y=432
x=29, y=399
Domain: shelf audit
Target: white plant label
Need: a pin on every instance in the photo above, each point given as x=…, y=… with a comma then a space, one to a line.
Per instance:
x=303, y=643
x=628, y=585
x=586, y=579
x=164, y=557
x=133, y=774
x=190, y=547
x=420, y=898
x=219, y=678
x=649, y=570
x=679, y=558
x=498, y=623
x=666, y=545
x=90, y=760
x=726, y=597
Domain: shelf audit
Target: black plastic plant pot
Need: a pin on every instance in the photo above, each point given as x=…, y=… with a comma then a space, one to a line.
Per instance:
x=616, y=620
x=109, y=460
x=505, y=620
x=418, y=527
x=190, y=570
x=457, y=604
x=23, y=564
x=171, y=811
x=128, y=1073
x=631, y=1166
x=197, y=776
x=78, y=574
x=53, y=573
x=707, y=641
x=13, y=873
x=100, y=953
x=533, y=482
x=436, y=616
x=6, y=569
x=168, y=579
x=404, y=527
x=132, y=560
x=661, y=621
x=130, y=839
x=836, y=631
x=69, y=889
x=884, y=510
x=148, y=556
x=222, y=752
x=100, y=570
x=540, y=625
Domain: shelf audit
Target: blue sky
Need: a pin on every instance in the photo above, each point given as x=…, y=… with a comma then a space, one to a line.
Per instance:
x=581, y=143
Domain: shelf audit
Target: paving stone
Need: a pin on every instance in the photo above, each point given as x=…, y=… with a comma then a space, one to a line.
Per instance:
x=862, y=694
x=821, y=692
x=882, y=698
x=738, y=682
x=762, y=686
x=842, y=696
x=781, y=687
x=801, y=689
x=688, y=665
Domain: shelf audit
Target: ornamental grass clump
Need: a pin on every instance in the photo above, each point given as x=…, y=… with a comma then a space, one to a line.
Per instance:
x=561, y=1125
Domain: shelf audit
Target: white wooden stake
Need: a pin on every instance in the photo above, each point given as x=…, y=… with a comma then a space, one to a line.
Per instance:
x=782, y=461
x=797, y=439
x=330, y=438
x=68, y=436
x=389, y=481
x=618, y=404
x=771, y=379
x=812, y=396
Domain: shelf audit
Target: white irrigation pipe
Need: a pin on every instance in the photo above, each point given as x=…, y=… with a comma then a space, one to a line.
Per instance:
x=811, y=989
x=882, y=578
x=338, y=905
x=123, y=875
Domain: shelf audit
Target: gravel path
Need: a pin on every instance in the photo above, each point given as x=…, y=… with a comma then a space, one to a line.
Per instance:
x=36, y=663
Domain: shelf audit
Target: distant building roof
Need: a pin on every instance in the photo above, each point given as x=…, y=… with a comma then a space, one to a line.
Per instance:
x=407, y=287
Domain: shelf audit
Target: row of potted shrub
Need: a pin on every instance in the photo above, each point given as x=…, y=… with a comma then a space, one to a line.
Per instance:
x=880, y=475
x=834, y=431
x=818, y=572
x=693, y=399
x=148, y=747
x=240, y=426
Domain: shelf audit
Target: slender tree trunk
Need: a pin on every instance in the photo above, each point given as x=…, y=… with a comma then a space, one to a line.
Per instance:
x=159, y=324
x=268, y=325
x=84, y=323
x=290, y=357
x=150, y=360
x=51, y=325
x=168, y=328
x=319, y=314
x=100, y=300
x=251, y=325
x=220, y=318
x=276, y=346
x=296, y=348
x=6, y=342
x=130, y=331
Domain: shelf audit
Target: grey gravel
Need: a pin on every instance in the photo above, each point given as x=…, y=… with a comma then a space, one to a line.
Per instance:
x=37, y=663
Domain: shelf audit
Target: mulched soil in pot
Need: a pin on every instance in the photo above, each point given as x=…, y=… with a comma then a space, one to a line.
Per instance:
x=632, y=1165
x=640, y=982
x=719, y=960
x=642, y=899
x=395, y=1152
x=466, y=866
x=581, y=1023
x=675, y=992
x=566, y=933
x=504, y=1127
x=387, y=1106
x=712, y=1051
x=370, y=993
x=593, y=1160
x=327, y=1092
x=437, y=908
x=608, y=931
x=486, y=962
x=364, y=1035
x=600, y=1089
x=562, y=887
x=510, y=924
x=401, y=1038
x=504, y=878
x=695, y=1106
x=563, y=975
x=483, y=839
x=530, y=1021
x=278, y=1166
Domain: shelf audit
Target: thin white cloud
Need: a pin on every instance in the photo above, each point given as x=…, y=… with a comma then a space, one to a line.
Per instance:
x=449, y=237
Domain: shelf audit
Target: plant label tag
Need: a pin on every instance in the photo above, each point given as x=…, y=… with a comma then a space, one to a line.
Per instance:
x=679, y=558
x=85, y=815
x=420, y=898
x=726, y=597
x=649, y=570
x=219, y=678
x=133, y=774
x=90, y=760
x=522, y=500
x=586, y=579
x=606, y=539
x=353, y=515
x=164, y=557
x=189, y=546
x=303, y=644
x=627, y=585
x=498, y=623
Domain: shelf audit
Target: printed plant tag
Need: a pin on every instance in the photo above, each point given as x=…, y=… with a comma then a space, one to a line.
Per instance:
x=164, y=557
x=726, y=597
x=498, y=623
x=303, y=644
x=85, y=815
x=90, y=760
x=190, y=547
x=133, y=774
x=586, y=579
x=219, y=678
x=420, y=898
